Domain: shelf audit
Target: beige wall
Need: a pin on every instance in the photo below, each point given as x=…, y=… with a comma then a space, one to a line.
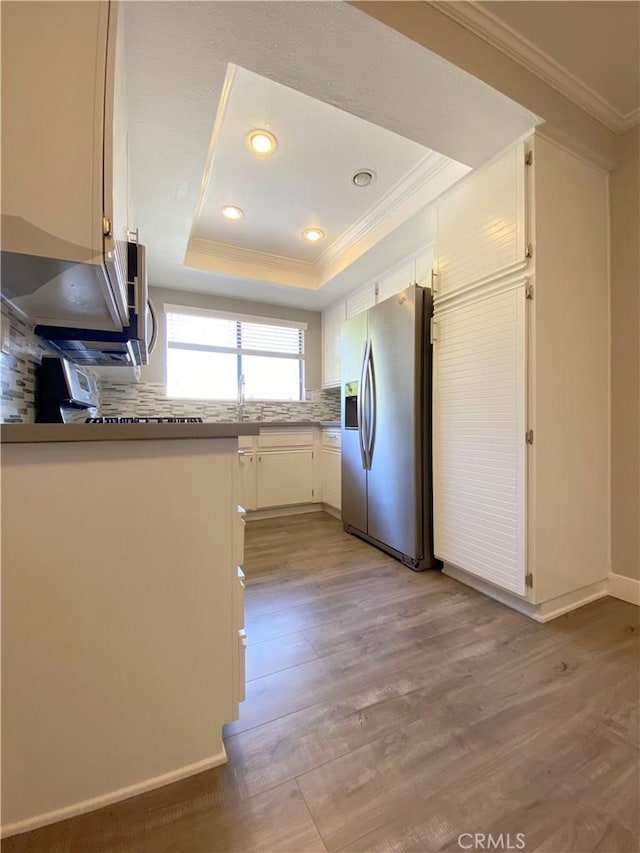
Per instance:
x=625, y=357
x=156, y=370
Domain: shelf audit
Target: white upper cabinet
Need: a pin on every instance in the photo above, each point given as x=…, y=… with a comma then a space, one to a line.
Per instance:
x=361, y=299
x=415, y=270
x=424, y=261
x=64, y=205
x=397, y=280
x=481, y=226
x=332, y=321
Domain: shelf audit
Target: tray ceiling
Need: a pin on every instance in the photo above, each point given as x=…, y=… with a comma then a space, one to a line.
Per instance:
x=373, y=94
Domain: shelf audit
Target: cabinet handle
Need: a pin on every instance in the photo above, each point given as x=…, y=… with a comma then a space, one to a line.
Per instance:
x=107, y=228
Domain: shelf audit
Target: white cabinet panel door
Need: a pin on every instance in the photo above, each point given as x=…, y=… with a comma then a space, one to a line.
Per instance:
x=397, y=280
x=423, y=266
x=284, y=478
x=361, y=299
x=331, y=478
x=479, y=446
x=247, y=479
x=332, y=321
x=480, y=226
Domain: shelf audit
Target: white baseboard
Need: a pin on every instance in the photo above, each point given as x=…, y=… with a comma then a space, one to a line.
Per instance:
x=331, y=510
x=280, y=511
x=113, y=796
x=555, y=607
x=627, y=589
x=544, y=612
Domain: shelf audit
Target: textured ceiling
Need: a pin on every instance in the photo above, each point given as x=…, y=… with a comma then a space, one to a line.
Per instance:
x=177, y=58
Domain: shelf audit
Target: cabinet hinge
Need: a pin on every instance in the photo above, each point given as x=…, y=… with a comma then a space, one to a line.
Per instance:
x=434, y=276
x=376, y=290
x=312, y=454
x=528, y=580
x=529, y=436
x=528, y=158
x=313, y=493
x=529, y=251
x=528, y=291
x=107, y=229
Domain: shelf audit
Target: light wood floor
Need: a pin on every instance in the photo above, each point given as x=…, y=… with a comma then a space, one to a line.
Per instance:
x=392, y=711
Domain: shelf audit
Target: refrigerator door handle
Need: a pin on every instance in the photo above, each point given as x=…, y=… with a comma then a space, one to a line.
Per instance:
x=362, y=425
x=372, y=406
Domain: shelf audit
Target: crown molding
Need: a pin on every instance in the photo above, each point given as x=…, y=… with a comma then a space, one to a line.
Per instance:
x=491, y=29
x=230, y=259
x=412, y=184
x=416, y=189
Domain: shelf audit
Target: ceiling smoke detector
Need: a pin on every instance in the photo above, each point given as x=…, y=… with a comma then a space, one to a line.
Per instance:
x=363, y=178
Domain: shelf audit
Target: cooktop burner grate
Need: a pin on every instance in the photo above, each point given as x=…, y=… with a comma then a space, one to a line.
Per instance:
x=144, y=420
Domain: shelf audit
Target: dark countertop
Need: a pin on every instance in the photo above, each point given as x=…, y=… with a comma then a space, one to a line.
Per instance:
x=276, y=424
x=43, y=433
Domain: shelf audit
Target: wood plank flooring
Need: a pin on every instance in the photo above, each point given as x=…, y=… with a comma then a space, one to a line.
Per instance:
x=391, y=711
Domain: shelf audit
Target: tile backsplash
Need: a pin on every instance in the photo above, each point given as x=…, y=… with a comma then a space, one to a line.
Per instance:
x=148, y=399
x=18, y=367
x=25, y=351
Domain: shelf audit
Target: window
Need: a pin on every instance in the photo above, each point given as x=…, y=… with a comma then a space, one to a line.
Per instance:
x=212, y=355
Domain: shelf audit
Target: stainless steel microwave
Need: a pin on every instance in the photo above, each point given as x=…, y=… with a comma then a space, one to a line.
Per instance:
x=130, y=347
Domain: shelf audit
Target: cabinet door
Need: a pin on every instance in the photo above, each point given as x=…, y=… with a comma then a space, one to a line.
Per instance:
x=397, y=280
x=53, y=60
x=284, y=478
x=115, y=166
x=332, y=321
x=424, y=261
x=361, y=299
x=331, y=491
x=479, y=446
x=480, y=226
x=247, y=479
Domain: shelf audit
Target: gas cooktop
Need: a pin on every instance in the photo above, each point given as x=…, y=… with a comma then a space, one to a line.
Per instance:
x=144, y=420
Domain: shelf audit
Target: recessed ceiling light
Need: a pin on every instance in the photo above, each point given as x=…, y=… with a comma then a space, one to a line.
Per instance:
x=232, y=212
x=364, y=177
x=313, y=234
x=261, y=142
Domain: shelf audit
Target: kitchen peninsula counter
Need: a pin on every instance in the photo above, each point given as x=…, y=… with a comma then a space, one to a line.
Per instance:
x=122, y=610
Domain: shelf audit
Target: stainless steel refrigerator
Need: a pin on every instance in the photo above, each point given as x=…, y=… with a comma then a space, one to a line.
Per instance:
x=386, y=427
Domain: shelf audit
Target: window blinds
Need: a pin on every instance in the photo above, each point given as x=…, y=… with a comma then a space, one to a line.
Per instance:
x=226, y=333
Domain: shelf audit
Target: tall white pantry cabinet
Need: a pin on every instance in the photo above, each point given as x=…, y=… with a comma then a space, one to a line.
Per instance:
x=521, y=380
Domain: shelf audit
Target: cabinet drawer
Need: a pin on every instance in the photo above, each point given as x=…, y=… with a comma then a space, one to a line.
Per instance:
x=241, y=674
x=238, y=539
x=331, y=438
x=286, y=438
x=238, y=600
x=245, y=442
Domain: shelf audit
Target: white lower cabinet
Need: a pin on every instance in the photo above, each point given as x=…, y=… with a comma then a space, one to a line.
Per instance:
x=247, y=479
x=284, y=477
x=331, y=468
